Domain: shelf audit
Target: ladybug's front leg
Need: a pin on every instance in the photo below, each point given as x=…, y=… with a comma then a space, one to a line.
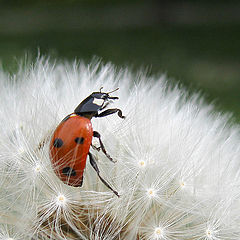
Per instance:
x=109, y=112
x=104, y=106
x=97, y=135
x=94, y=165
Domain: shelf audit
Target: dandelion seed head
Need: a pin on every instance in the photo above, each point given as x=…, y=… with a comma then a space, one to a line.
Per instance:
x=172, y=159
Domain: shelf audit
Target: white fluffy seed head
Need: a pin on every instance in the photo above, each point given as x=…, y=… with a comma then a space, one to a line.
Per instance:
x=177, y=163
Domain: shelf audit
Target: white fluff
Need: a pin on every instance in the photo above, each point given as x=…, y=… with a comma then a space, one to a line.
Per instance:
x=177, y=169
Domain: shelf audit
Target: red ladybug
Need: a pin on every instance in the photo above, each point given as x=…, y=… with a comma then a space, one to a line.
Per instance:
x=72, y=139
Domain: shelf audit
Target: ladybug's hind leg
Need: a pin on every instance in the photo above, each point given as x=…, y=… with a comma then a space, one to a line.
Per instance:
x=97, y=135
x=94, y=165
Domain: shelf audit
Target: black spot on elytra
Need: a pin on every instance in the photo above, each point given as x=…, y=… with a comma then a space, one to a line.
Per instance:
x=68, y=171
x=58, y=142
x=79, y=140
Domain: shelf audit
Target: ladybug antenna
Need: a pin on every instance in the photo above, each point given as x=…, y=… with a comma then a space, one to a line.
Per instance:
x=113, y=91
x=100, y=90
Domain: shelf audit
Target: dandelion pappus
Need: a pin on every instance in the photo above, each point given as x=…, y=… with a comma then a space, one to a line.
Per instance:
x=71, y=141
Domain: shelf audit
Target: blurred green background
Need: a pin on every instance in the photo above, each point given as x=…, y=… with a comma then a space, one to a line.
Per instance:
x=194, y=42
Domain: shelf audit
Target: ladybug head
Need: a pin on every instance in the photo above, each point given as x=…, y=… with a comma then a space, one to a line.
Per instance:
x=94, y=103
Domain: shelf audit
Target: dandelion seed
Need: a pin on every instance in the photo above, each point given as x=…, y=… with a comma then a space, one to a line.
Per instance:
x=151, y=193
x=142, y=163
x=158, y=233
x=209, y=234
x=38, y=168
x=21, y=150
x=182, y=184
x=61, y=200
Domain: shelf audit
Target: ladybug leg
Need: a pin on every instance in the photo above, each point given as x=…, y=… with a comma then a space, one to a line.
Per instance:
x=104, y=106
x=109, y=112
x=97, y=135
x=96, y=148
x=94, y=165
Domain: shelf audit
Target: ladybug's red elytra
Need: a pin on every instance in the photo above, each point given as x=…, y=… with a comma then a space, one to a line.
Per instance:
x=71, y=141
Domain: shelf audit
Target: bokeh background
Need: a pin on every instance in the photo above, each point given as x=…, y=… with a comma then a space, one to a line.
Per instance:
x=196, y=43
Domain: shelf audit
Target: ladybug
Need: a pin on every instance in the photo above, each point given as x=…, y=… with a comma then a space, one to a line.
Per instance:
x=71, y=141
